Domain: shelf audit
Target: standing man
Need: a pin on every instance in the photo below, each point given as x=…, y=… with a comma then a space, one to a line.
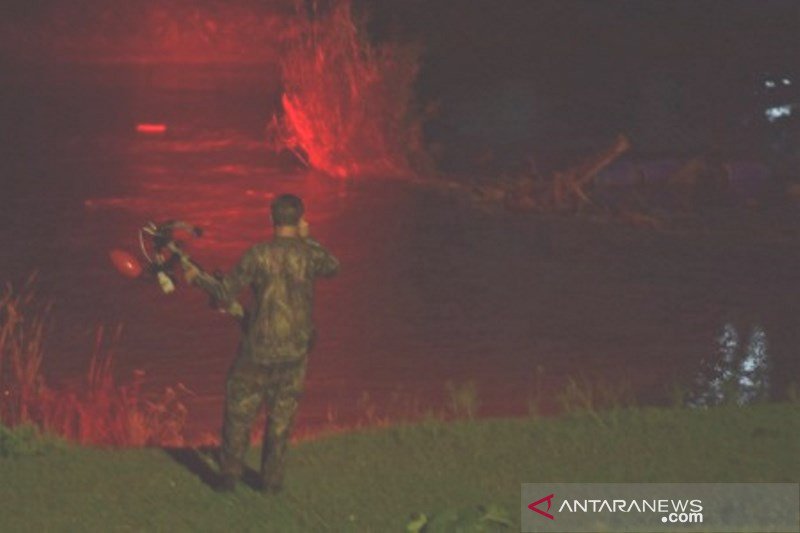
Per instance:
x=278, y=333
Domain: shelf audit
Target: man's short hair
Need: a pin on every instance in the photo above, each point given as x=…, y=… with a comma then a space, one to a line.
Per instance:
x=287, y=210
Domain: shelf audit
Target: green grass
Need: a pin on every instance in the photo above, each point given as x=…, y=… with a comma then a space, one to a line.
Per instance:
x=373, y=480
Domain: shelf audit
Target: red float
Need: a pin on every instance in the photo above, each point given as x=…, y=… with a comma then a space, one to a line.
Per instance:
x=151, y=129
x=125, y=263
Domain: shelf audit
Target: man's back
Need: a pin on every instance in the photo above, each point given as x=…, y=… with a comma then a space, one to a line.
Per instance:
x=281, y=275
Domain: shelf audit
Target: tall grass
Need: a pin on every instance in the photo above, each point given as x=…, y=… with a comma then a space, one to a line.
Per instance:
x=99, y=411
x=462, y=399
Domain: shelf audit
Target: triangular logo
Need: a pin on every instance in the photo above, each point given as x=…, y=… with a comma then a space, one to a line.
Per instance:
x=547, y=499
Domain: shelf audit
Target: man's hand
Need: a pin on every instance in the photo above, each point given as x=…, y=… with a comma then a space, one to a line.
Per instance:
x=303, y=229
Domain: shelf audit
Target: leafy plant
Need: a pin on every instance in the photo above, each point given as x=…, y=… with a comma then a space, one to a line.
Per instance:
x=25, y=440
x=737, y=375
x=476, y=519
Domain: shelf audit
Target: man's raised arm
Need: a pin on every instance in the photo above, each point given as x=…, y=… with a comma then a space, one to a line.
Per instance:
x=325, y=264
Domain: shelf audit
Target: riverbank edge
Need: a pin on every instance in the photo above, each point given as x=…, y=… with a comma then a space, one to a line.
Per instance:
x=376, y=479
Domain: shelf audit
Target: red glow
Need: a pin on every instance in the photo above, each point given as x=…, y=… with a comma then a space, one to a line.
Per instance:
x=125, y=263
x=347, y=104
x=150, y=32
x=151, y=129
x=101, y=411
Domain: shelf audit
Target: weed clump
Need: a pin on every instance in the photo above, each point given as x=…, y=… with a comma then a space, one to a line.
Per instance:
x=100, y=411
x=347, y=104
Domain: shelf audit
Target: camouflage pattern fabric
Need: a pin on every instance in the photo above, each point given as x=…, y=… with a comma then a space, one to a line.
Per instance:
x=281, y=274
x=277, y=335
x=248, y=386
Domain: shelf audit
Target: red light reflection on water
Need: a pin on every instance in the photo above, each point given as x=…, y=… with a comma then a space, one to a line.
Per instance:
x=184, y=179
x=227, y=193
x=151, y=129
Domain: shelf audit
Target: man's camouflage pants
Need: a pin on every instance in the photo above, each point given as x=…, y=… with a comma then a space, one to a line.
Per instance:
x=248, y=386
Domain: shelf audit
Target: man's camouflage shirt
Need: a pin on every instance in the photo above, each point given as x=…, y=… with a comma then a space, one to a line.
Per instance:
x=281, y=275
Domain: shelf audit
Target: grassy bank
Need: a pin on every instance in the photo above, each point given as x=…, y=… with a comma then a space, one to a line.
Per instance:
x=374, y=480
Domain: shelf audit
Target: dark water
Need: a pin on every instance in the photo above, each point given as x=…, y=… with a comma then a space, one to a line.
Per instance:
x=432, y=290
